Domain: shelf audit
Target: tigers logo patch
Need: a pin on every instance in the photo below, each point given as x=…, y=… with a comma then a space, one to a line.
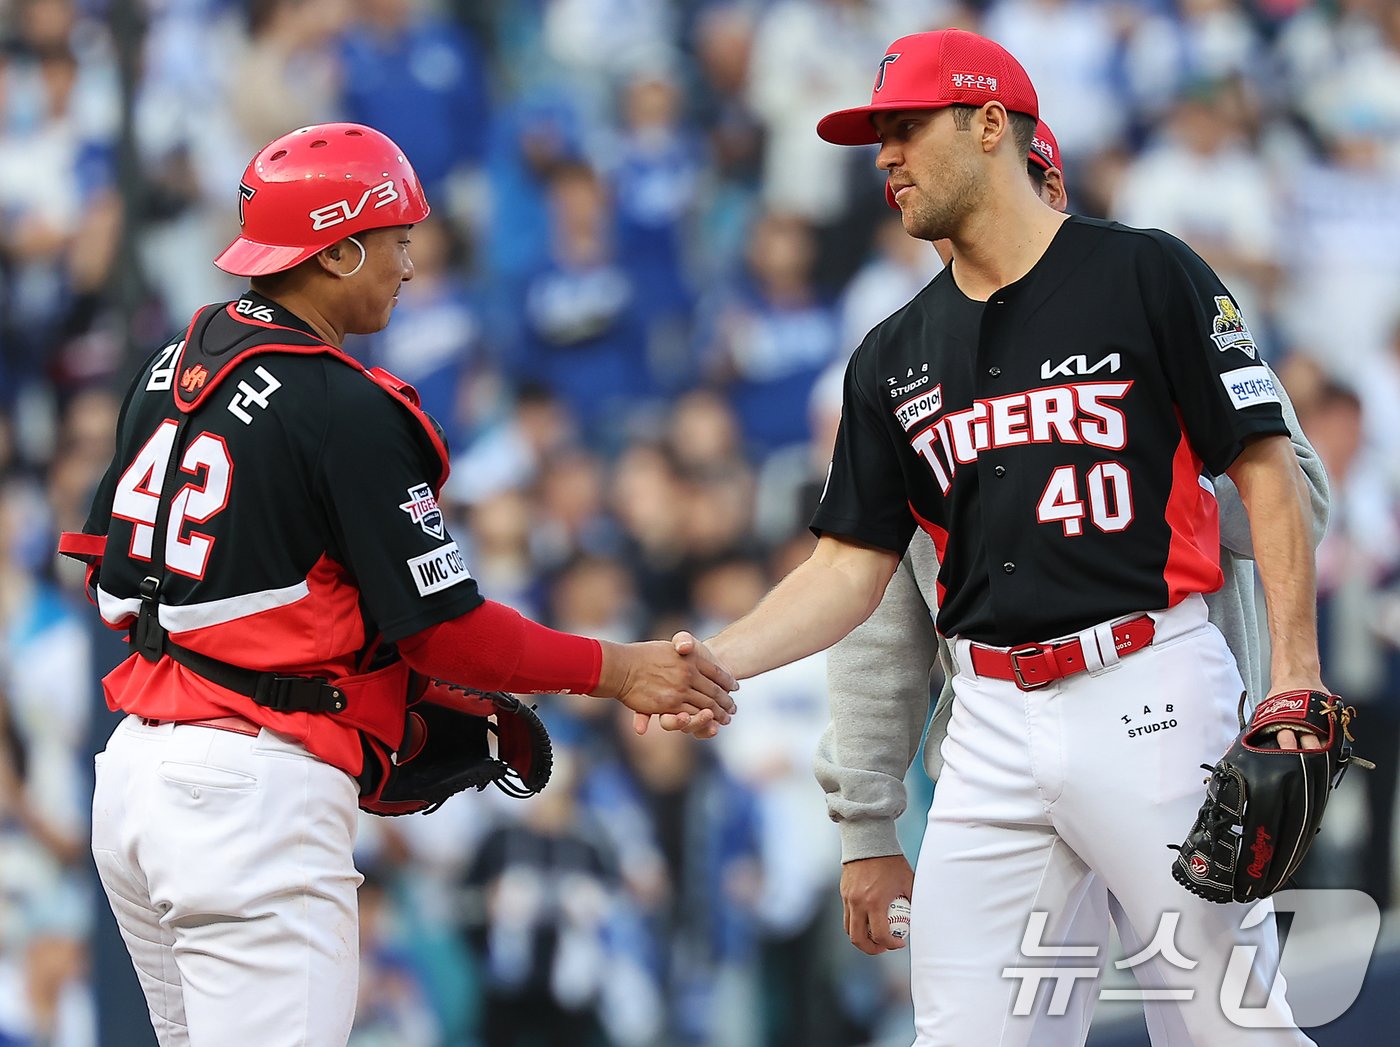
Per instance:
x=1228, y=329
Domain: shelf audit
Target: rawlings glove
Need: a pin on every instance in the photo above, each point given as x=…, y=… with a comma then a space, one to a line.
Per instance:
x=1264, y=804
x=447, y=748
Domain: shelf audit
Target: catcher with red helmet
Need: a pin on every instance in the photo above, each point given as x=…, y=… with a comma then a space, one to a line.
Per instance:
x=268, y=535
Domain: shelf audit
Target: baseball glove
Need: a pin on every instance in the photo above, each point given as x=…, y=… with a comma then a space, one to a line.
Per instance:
x=1264, y=804
x=447, y=748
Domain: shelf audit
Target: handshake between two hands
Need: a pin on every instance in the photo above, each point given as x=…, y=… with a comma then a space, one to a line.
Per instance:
x=680, y=683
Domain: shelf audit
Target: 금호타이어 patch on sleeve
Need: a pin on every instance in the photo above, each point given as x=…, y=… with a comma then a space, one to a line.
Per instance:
x=439, y=569
x=1248, y=386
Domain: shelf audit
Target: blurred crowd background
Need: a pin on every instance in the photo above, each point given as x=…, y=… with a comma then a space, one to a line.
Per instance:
x=641, y=281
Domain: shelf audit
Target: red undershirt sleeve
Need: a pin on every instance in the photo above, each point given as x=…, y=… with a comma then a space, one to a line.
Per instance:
x=494, y=648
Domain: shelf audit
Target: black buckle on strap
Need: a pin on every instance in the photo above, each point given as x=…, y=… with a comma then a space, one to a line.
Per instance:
x=148, y=635
x=295, y=694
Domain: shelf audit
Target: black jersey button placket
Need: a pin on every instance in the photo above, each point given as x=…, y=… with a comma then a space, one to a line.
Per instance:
x=1000, y=470
x=1009, y=567
x=995, y=372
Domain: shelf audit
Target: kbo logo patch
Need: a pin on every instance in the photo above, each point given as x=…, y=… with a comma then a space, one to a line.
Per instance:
x=422, y=509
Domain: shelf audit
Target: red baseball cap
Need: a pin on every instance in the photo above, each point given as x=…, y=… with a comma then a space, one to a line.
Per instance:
x=931, y=71
x=1044, y=153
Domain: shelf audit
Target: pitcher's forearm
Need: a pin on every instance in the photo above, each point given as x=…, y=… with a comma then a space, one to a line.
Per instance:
x=821, y=601
x=1267, y=476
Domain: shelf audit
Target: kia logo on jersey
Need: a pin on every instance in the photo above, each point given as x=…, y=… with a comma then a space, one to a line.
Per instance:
x=1079, y=364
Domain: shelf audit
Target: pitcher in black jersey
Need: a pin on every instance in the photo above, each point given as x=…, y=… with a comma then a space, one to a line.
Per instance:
x=269, y=534
x=1050, y=410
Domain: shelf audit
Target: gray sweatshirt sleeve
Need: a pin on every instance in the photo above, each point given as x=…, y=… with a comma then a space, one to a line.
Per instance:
x=1234, y=521
x=878, y=679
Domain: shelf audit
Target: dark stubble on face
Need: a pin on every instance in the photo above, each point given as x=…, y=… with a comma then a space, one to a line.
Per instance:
x=942, y=202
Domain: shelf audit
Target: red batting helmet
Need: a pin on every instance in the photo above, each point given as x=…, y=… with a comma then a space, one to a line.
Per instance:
x=314, y=186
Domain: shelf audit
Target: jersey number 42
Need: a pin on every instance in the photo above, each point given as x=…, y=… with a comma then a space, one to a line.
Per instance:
x=137, y=497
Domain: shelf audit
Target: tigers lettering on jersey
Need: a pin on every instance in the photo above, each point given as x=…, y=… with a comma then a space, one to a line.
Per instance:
x=1067, y=414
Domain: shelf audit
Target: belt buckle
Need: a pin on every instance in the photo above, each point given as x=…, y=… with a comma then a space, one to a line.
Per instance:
x=1021, y=682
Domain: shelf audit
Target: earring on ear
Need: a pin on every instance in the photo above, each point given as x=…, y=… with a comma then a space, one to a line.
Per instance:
x=358, y=265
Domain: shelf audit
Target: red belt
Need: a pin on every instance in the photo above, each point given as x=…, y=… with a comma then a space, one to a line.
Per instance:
x=236, y=724
x=1034, y=665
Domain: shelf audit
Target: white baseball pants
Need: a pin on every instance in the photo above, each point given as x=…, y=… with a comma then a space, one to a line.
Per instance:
x=1062, y=801
x=227, y=860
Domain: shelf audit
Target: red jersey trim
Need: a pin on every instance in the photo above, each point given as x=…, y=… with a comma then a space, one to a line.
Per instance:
x=940, y=543
x=1192, y=515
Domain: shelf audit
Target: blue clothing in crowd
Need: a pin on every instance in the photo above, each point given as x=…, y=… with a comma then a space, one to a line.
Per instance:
x=774, y=354
x=426, y=88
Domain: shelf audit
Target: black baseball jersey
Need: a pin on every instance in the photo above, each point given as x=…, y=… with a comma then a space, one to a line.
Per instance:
x=305, y=522
x=1052, y=440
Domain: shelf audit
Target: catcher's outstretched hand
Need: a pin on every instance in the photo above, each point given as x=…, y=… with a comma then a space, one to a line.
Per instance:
x=677, y=678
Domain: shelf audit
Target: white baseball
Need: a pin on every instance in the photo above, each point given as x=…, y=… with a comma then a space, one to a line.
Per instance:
x=899, y=912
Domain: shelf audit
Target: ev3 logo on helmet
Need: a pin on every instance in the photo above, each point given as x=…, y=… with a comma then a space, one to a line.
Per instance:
x=341, y=211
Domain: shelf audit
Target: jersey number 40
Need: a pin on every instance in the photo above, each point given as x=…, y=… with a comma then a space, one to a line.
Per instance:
x=1110, y=507
x=137, y=497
